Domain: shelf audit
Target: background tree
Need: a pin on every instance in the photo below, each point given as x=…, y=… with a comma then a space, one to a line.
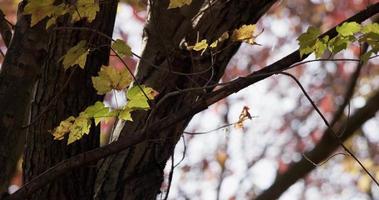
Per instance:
x=184, y=80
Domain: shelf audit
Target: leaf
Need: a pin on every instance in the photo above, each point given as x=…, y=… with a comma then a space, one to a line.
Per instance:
x=125, y=114
x=320, y=46
x=244, y=34
x=243, y=117
x=137, y=98
x=81, y=126
x=84, y=9
x=307, y=40
x=178, y=3
x=201, y=46
x=39, y=9
x=110, y=78
x=214, y=44
x=348, y=28
x=121, y=48
x=98, y=111
x=63, y=128
x=371, y=28
x=58, y=11
x=339, y=43
x=77, y=55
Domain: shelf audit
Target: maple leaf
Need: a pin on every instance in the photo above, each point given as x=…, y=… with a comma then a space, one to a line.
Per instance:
x=125, y=114
x=85, y=9
x=348, y=28
x=121, y=48
x=77, y=55
x=137, y=98
x=110, y=78
x=99, y=112
x=244, y=34
x=307, y=40
x=63, y=128
x=39, y=9
x=178, y=3
x=57, y=11
x=81, y=126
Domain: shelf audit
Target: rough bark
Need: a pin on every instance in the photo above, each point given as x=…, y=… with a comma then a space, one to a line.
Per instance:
x=17, y=79
x=327, y=145
x=137, y=173
x=60, y=94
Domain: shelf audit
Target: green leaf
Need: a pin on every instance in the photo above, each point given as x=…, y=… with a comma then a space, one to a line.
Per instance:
x=99, y=112
x=348, y=28
x=307, y=40
x=371, y=28
x=77, y=55
x=320, y=46
x=39, y=9
x=125, y=114
x=137, y=99
x=85, y=9
x=121, y=48
x=339, y=43
x=178, y=3
x=81, y=126
x=110, y=78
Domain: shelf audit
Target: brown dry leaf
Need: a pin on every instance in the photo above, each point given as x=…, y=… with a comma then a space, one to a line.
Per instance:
x=243, y=116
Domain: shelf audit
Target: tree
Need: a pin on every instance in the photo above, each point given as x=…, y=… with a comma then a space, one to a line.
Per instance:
x=37, y=92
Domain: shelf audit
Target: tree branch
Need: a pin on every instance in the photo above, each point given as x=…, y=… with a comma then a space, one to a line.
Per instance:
x=323, y=149
x=203, y=103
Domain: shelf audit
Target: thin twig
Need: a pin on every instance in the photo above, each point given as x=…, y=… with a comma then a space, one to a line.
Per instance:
x=328, y=125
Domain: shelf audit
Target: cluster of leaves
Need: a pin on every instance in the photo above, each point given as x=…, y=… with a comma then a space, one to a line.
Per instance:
x=348, y=33
x=243, y=34
x=77, y=127
x=108, y=79
x=41, y=9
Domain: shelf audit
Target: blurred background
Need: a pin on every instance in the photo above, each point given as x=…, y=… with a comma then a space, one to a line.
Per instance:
x=217, y=160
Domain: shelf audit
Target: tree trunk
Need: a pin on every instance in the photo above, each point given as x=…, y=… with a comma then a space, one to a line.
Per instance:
x=137, y=173
x=60, y=94
x=17, y=79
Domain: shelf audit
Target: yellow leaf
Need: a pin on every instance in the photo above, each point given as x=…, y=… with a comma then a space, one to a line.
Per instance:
x=201, y=46
x=77, y=55
x=178, y=3
x=214, y=44
x=39, y=9
x=110, y=78
x=81, y=126
x=126, y=114
x=244, y=34
x=63, y=128
x=85, y=9
x=58, y=11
